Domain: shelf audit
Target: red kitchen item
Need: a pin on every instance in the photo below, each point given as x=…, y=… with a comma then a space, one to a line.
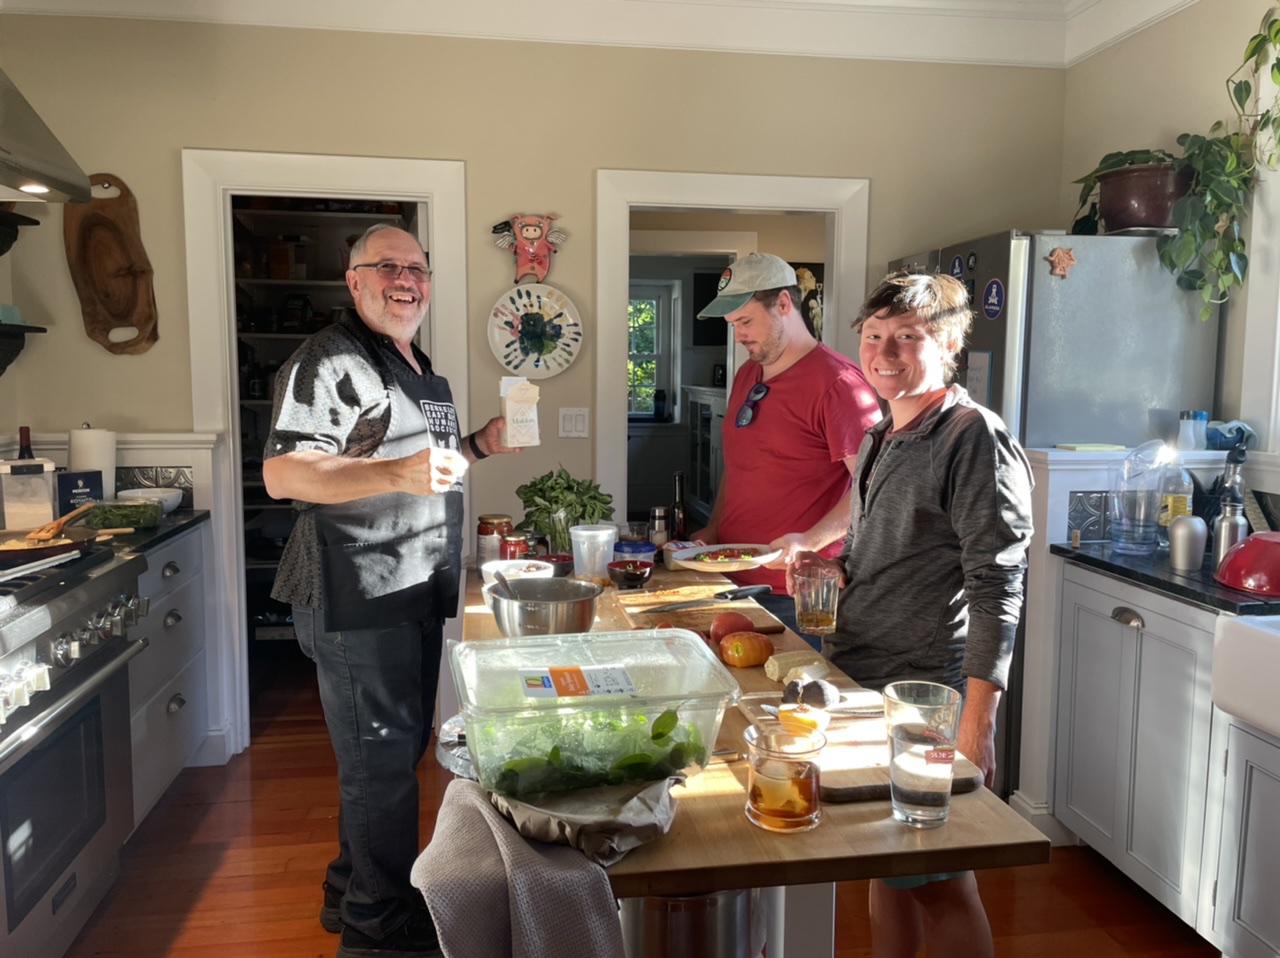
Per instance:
x=1252, y=564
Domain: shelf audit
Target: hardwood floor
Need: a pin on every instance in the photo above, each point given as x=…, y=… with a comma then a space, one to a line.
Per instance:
x=229, y=863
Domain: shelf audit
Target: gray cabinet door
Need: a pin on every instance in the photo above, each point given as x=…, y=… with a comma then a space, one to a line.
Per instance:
x=1245, y=914
x=1134, y=715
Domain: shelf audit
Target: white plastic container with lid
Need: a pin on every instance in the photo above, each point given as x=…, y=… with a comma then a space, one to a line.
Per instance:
x=564, y=712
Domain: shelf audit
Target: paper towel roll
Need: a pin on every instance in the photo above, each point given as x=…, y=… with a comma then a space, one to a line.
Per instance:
x=94, y=449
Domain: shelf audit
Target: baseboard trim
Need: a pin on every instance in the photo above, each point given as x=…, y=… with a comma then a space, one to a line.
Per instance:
x=214, y=750
x=1040, y=815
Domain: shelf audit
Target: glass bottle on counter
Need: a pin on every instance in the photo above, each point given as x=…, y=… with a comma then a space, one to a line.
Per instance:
x=490, y=528
x=24, y=443
x=678, y=513
x=1175, y=495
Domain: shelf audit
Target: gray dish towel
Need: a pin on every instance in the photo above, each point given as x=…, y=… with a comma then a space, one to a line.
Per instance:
x=494, y=894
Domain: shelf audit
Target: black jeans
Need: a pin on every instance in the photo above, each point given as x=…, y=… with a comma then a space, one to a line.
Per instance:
x=378, y=690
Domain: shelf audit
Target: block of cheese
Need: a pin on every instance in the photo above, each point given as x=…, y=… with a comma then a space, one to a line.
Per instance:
x=780, y=663
x=807, y=673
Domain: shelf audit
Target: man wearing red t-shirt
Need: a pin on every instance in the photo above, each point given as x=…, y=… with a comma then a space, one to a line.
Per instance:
x=796, y=417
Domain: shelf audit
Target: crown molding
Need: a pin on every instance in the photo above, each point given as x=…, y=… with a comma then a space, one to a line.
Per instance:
x=1038, y=33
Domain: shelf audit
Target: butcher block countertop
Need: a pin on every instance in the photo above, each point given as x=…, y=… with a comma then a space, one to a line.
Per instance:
x=712, y=847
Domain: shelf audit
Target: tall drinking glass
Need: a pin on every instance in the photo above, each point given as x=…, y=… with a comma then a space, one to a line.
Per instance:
x=922, y=719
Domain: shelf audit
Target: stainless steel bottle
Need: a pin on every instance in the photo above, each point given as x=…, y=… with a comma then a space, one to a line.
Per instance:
x=1230, y=527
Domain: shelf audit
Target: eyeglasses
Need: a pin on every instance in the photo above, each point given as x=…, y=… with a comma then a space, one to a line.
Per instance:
x=392, y=271
x=748, y=411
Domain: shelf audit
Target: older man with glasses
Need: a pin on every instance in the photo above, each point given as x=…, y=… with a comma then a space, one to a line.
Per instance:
x=365, y=441
x=797, y=414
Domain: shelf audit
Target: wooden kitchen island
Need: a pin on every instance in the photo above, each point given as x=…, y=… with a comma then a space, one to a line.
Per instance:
x=712, y=847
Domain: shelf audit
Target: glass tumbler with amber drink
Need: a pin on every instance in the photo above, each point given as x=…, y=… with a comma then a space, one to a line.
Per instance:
x=817, y=587
x=782, y=779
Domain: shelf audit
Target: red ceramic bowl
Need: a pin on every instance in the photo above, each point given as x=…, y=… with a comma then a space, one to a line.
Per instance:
x=1253, y=564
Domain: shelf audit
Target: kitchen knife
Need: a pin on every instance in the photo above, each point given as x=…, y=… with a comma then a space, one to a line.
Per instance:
x=728, y=595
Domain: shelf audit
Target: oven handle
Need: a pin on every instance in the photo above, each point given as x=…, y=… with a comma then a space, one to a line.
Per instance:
x=73, y=701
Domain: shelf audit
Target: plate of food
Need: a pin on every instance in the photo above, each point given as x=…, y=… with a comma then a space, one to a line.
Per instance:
x=725, y=557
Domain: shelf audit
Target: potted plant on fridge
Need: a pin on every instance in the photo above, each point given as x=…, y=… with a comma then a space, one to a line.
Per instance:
x=1205, y=247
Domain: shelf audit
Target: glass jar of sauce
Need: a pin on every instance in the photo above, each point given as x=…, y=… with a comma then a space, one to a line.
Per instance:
x=513, y=546
x=490, y=529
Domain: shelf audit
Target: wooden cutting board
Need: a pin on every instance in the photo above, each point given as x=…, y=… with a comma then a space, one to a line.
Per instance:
x=855, y=763
x=109, y=266
x=635, y=604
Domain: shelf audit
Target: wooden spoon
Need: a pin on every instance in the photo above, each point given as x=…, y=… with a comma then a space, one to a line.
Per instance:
x=51, y=530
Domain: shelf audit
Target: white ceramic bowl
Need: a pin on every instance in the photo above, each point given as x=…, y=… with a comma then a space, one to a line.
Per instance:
x=516, y=569
x=169, y=497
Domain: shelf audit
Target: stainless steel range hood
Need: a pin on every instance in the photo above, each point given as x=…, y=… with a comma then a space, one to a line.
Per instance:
x=33, y=164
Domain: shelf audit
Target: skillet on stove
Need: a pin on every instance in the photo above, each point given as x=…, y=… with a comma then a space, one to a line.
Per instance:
x=80, y=540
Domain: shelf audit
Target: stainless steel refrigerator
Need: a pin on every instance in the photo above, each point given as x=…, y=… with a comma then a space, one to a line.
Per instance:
x=1110, y=352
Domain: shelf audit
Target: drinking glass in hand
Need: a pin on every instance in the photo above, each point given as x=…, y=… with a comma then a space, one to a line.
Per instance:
x=782, y=779
x=921, y=719
x=817, y=588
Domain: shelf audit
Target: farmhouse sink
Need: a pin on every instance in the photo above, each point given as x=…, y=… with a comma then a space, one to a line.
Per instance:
x=1246, y=669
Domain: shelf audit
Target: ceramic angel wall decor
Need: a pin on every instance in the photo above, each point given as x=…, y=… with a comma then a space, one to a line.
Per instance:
x=532, y=239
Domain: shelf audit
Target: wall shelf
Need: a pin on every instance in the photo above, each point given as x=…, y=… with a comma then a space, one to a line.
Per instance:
x=13, y=337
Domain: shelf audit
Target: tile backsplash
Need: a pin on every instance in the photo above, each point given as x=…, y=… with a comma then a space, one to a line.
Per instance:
x=1087, y=512
x=156, y=477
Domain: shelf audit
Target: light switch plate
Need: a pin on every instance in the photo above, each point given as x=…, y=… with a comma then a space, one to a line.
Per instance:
x=574, y=423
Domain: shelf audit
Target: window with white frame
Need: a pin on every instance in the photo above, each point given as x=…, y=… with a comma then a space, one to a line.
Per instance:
x=652, y=365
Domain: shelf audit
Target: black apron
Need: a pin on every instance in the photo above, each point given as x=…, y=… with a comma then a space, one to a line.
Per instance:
x=396, y=558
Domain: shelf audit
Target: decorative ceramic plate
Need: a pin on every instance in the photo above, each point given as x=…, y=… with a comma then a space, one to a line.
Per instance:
x=725, y=557
x=534, y=331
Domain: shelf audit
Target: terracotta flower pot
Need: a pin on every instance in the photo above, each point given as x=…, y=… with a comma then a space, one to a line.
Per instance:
x=1140, y=196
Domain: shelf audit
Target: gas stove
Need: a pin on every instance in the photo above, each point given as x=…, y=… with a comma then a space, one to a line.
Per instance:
x=60, y=624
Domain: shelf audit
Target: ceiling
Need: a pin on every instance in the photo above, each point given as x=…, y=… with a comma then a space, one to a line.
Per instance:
x=1041, y=33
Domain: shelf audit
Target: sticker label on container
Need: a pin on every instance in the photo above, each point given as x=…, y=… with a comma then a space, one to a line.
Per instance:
x=576, y=680
x=939, y=756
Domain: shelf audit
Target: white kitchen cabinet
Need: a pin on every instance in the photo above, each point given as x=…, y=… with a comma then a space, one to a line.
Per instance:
x=168, y=682
x=1133, y=723
x=1242, y=844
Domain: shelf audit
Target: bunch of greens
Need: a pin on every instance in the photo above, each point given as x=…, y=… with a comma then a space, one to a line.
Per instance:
x=585, y=750
x=580, y=500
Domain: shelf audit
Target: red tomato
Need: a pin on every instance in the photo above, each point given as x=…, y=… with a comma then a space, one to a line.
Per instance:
x=742, y=650
x=727, y=622
x=665, y=624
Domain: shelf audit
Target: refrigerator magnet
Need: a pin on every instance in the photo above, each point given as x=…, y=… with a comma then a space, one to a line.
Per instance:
x=993, y=299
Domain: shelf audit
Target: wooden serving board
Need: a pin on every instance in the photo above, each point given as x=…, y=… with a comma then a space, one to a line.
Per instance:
x=109, y=266
x=855, y=763
x=635, y=604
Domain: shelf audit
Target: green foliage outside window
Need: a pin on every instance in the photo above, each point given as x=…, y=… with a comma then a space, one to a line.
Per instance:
x=642, y=354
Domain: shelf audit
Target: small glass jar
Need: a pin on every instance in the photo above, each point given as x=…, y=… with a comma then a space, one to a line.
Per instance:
x=490, y=529
x=658, y=533
x=513, y=546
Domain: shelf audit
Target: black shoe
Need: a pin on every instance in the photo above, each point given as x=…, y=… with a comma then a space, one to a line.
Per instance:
x=331, y=911
x=416, y=938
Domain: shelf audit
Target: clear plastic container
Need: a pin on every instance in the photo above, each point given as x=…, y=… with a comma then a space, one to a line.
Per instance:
x=564, y=712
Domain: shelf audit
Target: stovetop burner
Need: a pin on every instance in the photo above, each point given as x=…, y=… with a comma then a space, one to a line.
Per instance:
x=25, y=587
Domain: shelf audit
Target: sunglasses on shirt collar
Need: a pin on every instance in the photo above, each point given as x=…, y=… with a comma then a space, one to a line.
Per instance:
x=748, y=410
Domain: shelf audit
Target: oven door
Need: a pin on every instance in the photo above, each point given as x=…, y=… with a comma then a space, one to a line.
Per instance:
x=66, y=808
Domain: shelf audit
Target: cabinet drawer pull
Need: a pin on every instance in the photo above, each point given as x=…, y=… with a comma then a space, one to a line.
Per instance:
x=173, y=618
x=175, y=704
x=170, y=569
x=1126, y=616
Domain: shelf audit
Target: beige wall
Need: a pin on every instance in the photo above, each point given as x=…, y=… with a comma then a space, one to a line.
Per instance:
x=796, y=237
x=1142, y=93
x=950, y=151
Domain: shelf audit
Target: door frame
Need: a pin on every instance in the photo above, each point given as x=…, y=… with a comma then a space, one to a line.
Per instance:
x=617, y=191
x=210, y=178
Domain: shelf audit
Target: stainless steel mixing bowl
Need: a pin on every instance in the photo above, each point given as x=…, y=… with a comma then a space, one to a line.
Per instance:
x=544, y=606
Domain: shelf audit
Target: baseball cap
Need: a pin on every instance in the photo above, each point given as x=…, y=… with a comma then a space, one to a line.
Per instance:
x=744, y=276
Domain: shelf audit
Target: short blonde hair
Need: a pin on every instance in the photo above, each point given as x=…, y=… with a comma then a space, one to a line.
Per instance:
x=939, y=301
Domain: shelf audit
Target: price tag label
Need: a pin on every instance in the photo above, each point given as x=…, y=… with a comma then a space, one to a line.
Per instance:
x=568, y=680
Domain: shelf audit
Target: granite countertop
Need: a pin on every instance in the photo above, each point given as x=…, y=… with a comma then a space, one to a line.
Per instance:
x=174, y=524
x=1153, y=572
